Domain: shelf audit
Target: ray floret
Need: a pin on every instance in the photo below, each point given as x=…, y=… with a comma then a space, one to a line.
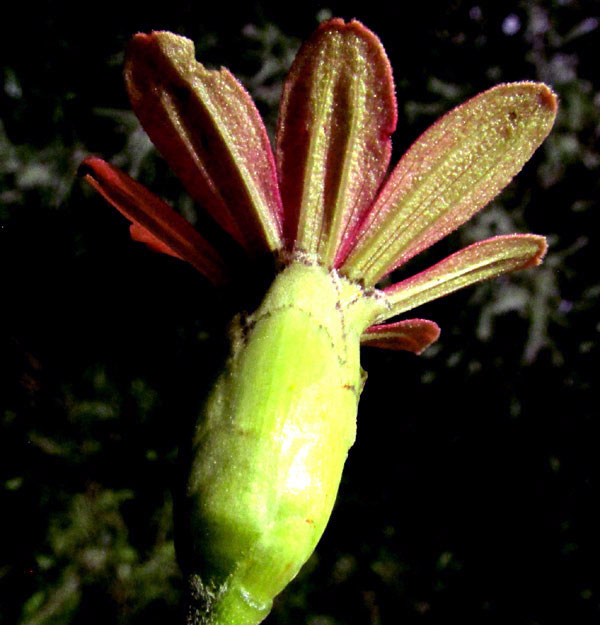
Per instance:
x=337, y=113
x=452, y=171
x=153, y=221
x=480, y=261
x=206, y=126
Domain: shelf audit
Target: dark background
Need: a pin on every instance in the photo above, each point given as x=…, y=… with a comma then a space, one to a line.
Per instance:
x=470, y=495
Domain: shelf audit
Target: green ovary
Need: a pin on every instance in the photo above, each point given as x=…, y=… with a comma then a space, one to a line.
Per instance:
x=271, y=445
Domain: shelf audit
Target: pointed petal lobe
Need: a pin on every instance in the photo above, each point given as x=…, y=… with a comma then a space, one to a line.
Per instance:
x=154, y=221
x=140, y=234
x=453, y=170
x=206, y=126
x=338, y=110
x=412, y=335
x=480, y=261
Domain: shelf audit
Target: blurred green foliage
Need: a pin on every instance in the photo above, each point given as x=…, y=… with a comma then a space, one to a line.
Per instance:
x=471, y=491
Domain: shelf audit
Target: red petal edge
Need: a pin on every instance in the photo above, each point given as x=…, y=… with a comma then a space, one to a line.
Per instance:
x=412, y=335
x=154, y=222
x=137, y=233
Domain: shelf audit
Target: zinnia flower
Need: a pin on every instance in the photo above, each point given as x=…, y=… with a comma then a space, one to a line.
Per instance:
x=274, y=434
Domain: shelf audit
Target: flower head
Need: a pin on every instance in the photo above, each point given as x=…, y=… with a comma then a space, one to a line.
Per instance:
x=273, y=435
x=323, y=197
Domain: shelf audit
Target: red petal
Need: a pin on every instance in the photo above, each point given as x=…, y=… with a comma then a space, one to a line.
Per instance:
x=451, y=171
x=142, y=235
x=412, y=335
x=338, y=111
x=480, y=261
x=155, y=222
x=206, y=126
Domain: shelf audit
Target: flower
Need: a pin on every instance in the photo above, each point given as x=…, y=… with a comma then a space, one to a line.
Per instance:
x=324, y=196
x=273, y=435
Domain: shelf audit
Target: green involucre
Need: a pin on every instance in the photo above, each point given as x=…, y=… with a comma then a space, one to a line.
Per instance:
x=272, y=441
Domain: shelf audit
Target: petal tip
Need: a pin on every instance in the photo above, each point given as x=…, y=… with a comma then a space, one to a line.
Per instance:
x=144, y=39
x=141, y=38
x=542, y=249
x=548, y=98
x=140, y=43
x=88, y=165
x=338, y=23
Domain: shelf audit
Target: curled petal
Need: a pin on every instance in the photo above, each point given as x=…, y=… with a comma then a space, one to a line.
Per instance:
x=480, y=261
x=453, y=170
x=154, y=222
x=412, y=335
x=338, y=111
x=206, y=126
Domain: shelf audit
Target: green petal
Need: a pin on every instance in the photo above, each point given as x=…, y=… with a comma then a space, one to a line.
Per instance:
x=480, y=261
x=338, y=111
x=453, y=170
x=206, y=126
